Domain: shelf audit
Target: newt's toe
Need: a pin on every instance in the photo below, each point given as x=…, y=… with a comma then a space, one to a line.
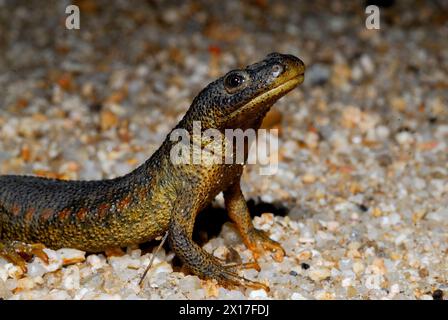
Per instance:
x=275, y=248
x=258, y=242
x=246, y=265
x=38, y=250
x=15, y=259
x=228, y=277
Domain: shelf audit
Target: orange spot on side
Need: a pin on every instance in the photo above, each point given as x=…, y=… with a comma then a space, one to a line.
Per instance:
x=62, y=215
x=81, y=214
x=15, y=209
x=123, y=203
x=103, y=209
x=29, y=214
x=46, y=214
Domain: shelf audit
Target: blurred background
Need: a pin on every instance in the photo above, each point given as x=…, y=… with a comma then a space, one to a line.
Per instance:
x=363, y=147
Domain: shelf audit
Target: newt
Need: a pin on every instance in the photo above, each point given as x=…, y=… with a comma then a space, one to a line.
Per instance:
x=158, y=196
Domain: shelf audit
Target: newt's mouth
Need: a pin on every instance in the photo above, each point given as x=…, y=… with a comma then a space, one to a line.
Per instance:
x=286, y=86
x=269, y=97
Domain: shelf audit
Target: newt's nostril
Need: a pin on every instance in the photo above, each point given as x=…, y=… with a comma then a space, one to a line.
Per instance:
x=277, y=70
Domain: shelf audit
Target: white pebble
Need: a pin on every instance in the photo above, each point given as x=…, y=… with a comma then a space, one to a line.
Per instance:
x=319, y=274
x=439, y=215
x=404, y=138
x=71, y=256
x=297, y=296
x=70, y=278
x=382, y=132
x=400, y=239
x=96, y=261
x=261, y=294
x=346, y=282
x=163, y=267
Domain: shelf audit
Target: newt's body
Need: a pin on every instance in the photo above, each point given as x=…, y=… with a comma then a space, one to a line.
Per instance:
x=159, y=195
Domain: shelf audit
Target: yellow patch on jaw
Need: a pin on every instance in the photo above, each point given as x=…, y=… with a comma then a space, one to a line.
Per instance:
x=274, y=92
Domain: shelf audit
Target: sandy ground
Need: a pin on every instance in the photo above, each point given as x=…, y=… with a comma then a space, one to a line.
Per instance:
x=363, y=148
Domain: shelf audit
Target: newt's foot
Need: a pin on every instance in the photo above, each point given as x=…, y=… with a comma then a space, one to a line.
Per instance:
x=258, y=242
x=204, y=264
x=227, y=275
x=15, y=250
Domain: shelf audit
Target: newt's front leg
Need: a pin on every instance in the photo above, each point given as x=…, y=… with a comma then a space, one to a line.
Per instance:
x=256, y=240
x=199, y=261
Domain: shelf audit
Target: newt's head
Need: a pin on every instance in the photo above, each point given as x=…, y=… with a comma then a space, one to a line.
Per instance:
x=242, y=97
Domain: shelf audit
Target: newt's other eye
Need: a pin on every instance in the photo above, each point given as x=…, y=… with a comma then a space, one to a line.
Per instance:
x=234, y=81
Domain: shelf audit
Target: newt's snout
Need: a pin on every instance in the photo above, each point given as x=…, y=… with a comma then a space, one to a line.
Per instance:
x=286, y=67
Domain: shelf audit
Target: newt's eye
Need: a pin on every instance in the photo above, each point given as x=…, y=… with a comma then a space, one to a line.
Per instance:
x=234, y=81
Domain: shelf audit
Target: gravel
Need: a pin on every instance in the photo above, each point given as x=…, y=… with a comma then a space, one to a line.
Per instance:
x=363, y=148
